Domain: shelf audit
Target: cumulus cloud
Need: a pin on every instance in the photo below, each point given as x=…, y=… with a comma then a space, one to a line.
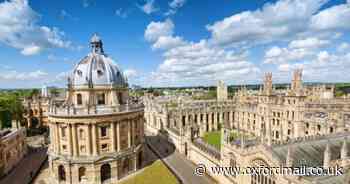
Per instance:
x=308, y=43
x=297, y=50
x=148, y=7
x=155, y=30
x=282, y=20
x=272, y=22
x=193, y=62
x=19, y=29
x=292, y=31
x=332, y=18
x=130, y=73
x=15, y=75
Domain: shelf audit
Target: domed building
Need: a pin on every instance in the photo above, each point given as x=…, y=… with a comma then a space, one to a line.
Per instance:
x=96, y=134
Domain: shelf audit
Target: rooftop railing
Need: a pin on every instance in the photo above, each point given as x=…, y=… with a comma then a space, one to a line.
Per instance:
x=66, y=110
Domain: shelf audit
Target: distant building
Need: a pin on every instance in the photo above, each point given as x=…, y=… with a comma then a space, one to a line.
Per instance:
x=12, y=148
x=221, y=91
x=291, y=128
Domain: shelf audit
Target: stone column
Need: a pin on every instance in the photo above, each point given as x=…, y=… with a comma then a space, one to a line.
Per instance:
x=133, y=132
x=94, y=140
x=70, y=140
x=210, y=122
x=75, y=141
x=118, y=136
x=113, y=137
x=58, y=146
x=88, y=140
x=129, y=133
x=215, y=121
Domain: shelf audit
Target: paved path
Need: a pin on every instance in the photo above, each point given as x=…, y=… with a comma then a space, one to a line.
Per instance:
x=178, y=163
x=21, y=174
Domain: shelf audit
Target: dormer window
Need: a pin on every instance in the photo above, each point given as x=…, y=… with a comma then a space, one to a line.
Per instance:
x=99, y=73
x=101, y=99
x=79, y=99
x=80, y=73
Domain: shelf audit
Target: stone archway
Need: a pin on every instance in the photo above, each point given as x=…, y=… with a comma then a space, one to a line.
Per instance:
x=260, y=178
x=105, y=172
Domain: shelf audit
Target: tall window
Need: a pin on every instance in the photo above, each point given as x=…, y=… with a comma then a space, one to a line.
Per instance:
x=81, y=134
x=79, y=99
x=61, y=173
x=103, y=131
x=82, y=172
x=63, y=131
x=101, y=99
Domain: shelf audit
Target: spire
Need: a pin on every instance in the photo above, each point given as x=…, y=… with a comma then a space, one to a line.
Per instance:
x=242, y=141
x=96, y=44
x=344, y=153
x=327, y=157
x=289, y=159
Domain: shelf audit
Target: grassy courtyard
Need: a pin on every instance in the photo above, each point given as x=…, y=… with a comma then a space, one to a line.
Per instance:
x=213, y=138
x=157, y=173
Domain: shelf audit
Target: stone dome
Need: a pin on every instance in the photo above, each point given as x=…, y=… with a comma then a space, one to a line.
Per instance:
x=97, y=69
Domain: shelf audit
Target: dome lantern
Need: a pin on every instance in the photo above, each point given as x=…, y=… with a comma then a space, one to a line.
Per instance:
x=96, y=44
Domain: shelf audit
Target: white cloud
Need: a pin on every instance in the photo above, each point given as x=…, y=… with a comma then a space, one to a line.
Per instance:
x=174, y=6
x=130, y=73
x=192, y=62
x=155, y=30
x=149, y=7
x=19, y=29
x=65, y=15
x=31, y=50
x=272, y=22
x=277, y=55
x=297, y=50
x=168, y=42
x=308, y=43
x=15, y=75
x=343, y=47
x=120, y=13
x=288, y=28
x=87, y=3
x=177, y=3
x=332, y=18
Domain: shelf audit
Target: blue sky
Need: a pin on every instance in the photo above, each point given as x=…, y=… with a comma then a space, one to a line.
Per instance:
x=176, y=42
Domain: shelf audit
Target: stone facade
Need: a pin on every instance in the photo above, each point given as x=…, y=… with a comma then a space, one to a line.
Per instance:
x=96, y=135
x=35, y=111
x=13, y=148
x=266, y=120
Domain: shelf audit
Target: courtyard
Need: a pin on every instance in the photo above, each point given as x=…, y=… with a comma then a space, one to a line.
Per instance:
x=156, y=173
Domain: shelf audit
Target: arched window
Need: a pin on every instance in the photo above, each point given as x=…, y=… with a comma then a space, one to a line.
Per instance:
x=82, y=172
x=79, y=99
x=258, y=178
x=61, y=173
x=105, y=172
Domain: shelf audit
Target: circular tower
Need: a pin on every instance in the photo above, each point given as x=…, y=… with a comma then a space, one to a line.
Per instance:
x=96, y=134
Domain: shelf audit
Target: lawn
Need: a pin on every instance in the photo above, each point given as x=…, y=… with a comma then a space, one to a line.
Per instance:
x=213, y=138
x=157, y=173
